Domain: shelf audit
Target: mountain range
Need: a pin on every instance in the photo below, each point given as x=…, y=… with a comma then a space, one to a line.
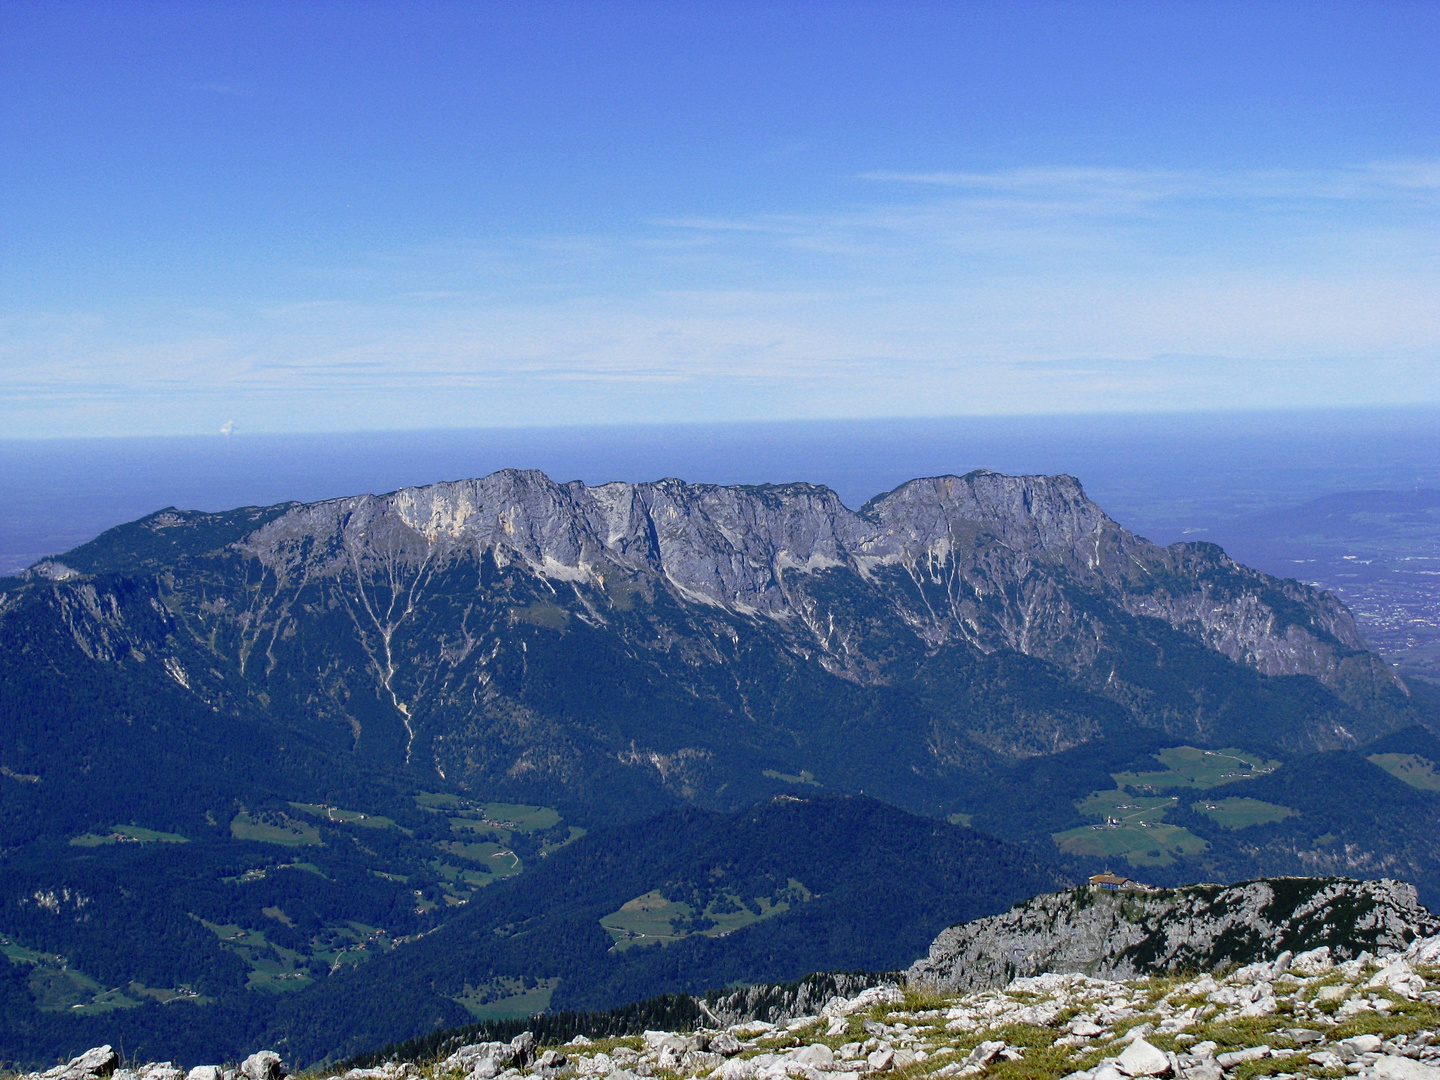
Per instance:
x=258, y=764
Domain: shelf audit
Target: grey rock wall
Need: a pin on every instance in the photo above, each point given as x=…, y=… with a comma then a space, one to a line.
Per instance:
x=1122, y=934
x=984, y=558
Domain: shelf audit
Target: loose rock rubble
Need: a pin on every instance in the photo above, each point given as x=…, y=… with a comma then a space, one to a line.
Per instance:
x=103, y=1061
x=1286, y=1018
x=1289, y=1017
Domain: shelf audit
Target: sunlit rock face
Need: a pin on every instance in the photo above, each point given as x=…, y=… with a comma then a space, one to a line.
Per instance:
x=983, y=558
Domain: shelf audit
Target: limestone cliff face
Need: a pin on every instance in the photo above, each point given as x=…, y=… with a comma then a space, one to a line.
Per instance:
x=1120, y=935
x=984, y=558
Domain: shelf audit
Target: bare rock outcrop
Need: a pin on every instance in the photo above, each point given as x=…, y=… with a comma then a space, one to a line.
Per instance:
x=1123, y=934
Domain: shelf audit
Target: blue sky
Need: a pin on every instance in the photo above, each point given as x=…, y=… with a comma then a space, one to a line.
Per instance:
x=312, y=216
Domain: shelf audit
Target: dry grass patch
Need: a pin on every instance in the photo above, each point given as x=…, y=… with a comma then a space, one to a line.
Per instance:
x=1269, y=1066
x=1406, y=1018
x=918, y=1001
x=1239, y=1034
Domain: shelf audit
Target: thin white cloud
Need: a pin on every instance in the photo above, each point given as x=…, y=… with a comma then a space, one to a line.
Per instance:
x=1014, y=291
x=1150, y=184
x=1377, y=181
x=1419, y=175
x=761, y=225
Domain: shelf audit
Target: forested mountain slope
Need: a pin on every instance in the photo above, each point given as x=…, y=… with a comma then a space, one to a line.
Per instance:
x=687, y=901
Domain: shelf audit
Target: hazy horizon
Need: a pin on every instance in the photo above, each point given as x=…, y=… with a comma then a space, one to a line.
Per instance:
x=1159, y=474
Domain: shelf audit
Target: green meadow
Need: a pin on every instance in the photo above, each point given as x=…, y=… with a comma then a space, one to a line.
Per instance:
x=274, y=828
x=128, y=834
x=1237, y=813
x=1191, y=767
x=1412, y=769
x=651, y=919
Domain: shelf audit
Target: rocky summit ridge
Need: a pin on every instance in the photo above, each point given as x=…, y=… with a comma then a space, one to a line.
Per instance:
x=972, y=548
x=1290, y=1016
x=446, y=603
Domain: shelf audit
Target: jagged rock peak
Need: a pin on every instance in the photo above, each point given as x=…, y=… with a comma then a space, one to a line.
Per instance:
x=570, y=529
x=979, y=539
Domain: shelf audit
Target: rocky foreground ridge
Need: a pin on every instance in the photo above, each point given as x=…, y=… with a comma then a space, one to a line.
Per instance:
x=1330, y=1011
